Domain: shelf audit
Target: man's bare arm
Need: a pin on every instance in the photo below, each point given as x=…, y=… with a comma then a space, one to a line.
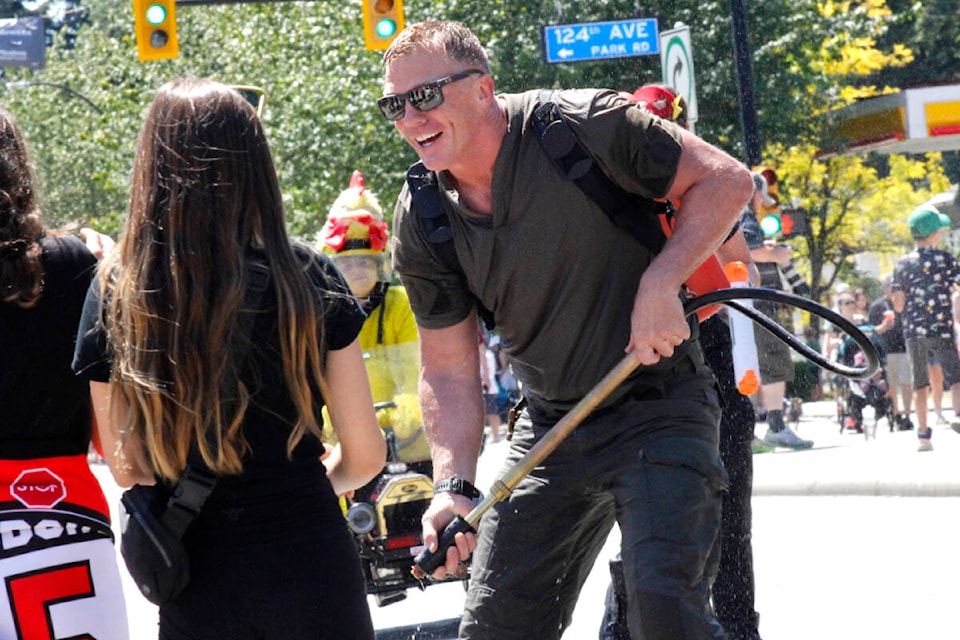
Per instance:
x=451, y=398
x=451, y=401
x=712, y=188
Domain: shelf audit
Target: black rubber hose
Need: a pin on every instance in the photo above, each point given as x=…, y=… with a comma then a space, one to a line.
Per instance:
x=729, y=297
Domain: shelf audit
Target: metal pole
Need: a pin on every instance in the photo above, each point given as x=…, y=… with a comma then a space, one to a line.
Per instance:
x=744, y=67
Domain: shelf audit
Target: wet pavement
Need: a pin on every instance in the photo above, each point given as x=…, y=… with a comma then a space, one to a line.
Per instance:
x=854, y=538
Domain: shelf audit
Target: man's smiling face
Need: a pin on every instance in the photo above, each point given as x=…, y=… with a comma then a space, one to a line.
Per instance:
x=440, y=136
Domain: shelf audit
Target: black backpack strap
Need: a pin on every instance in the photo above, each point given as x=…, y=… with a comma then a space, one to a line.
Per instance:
x=435, y=222
x=197, y=481
x=428, y=205
x=632, y=212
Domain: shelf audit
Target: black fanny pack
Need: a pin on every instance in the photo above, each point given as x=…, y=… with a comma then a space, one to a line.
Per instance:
x=153, y=519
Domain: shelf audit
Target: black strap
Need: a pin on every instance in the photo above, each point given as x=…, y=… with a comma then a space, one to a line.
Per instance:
x=197, y=481
x=377, y=300
x=634, y=213
x=383, y=313
x=435, y=223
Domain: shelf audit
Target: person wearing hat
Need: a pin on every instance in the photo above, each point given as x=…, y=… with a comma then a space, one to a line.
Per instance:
x=776, y=366
x=733, y=590
x=922, y=286
x=356, y=237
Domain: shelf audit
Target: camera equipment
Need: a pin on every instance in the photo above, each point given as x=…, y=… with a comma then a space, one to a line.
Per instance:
x=794, y=281
x=384, y=517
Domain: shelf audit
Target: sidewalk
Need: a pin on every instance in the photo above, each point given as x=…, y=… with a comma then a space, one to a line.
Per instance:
x=849, y=465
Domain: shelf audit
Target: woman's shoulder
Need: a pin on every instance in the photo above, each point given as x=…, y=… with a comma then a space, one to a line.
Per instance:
x=67, y=257
x=316, y=263
x=67, y=248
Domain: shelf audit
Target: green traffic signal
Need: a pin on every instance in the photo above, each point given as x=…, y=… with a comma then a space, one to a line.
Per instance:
x=771, y=225
x=156, y=14
x=382, y=21
x=386, y=28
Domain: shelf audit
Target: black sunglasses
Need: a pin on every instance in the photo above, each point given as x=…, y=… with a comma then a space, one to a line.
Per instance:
x=423, y=98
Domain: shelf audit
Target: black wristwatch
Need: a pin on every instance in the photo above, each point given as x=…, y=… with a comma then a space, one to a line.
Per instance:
x=458, y=486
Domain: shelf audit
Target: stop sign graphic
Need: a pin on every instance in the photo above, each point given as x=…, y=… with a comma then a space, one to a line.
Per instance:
x=38, y=489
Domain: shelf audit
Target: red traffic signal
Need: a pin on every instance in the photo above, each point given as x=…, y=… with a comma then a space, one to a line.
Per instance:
x=793, y=222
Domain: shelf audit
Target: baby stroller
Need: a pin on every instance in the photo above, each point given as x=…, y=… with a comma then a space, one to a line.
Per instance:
x=854, y=395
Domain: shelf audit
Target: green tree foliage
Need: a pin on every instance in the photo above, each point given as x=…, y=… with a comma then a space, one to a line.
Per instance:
x=853, y=208
x=321, y=84
x=309, y=56
x=930, y=30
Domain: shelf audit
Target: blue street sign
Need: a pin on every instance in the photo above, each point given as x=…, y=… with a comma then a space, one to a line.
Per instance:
x=600, y=40
x=22, y=42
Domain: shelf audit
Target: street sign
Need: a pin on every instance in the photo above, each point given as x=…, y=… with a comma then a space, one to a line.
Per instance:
x=22, y=43
x=600, y=40
x=676, y=61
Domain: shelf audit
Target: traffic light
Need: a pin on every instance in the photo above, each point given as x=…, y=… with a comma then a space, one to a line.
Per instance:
x=787, y=222
x=771, y=225
x=793, y=222
x=382, y=21
x=155, y=25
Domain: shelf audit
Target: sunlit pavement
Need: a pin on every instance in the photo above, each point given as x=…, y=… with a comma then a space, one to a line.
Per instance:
x=853, y=465
x=854, y=538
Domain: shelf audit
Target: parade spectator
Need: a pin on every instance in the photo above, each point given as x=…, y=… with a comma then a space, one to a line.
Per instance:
x=571, y=293
x=270, y=553
x=733, y=589
x=889, y=326
x=45, y=432
x=509, y=387
x=854, y=395
x=922, y=288
x=861, y=302
x=776, y=365
x=490, y=387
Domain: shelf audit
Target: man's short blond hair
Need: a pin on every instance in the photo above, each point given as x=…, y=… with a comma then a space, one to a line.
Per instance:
x=452, y=38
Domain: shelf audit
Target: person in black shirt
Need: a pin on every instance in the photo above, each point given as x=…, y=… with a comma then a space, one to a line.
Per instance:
x=270, y=553
x=45, y=430
x=889, y=326
x=922, y=289
x=776, y=366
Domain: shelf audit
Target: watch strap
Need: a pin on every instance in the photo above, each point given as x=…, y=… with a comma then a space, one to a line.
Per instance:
x=458, y=486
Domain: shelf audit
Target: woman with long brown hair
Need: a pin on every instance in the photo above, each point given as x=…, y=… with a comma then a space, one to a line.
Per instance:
x=59, y=563
x=270, y=553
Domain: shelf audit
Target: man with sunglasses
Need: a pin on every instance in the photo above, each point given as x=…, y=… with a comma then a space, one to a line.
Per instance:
x=570, y=293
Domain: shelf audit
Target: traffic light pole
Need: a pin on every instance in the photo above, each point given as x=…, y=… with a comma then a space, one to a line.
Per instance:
x=748, y=107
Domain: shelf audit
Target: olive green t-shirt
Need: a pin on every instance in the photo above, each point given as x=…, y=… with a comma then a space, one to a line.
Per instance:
x=558, y=275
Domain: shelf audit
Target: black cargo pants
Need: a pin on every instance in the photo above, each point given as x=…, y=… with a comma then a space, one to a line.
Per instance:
x=650, y=464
